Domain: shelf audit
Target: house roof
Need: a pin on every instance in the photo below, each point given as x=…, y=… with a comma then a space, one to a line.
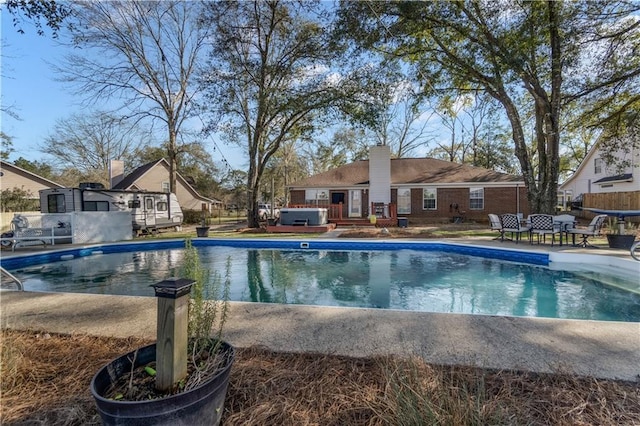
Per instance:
x=587, y=160
x=627, y=177
x=404, y=171
x=30, y=175
x=582, y=165
x=130, y=181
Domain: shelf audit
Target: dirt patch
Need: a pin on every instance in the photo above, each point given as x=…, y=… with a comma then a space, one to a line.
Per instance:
x=45, y=380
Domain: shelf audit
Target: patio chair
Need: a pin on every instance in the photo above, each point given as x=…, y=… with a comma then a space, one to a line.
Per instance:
x=512, y=223
x=592, y=230
x=543, y=225
x=496, y=225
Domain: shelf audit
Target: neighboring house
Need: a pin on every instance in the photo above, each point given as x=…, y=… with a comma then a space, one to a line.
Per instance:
x=594, y=176
x=154, y=176
x=12, y=176
x=423, y=188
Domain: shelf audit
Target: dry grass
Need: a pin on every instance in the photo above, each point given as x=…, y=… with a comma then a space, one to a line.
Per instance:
x=423, y=231
x=45, y=380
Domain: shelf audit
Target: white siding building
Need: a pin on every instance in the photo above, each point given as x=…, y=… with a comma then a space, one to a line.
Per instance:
x=595, y=176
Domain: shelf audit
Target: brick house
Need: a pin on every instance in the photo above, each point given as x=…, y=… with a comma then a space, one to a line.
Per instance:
x=416, y=188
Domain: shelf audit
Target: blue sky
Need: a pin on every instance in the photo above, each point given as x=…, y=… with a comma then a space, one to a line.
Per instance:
x=29, y=86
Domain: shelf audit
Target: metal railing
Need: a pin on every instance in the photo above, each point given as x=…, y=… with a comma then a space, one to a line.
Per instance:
x=12, y=278
x=635, y=250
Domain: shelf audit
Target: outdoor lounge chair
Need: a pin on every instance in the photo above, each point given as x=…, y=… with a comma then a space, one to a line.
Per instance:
x=511, y=223
x=592, y=230
x=496, y=225
x=543, y=225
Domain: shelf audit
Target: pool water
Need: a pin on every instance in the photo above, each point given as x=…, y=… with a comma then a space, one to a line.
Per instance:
x=412, y=280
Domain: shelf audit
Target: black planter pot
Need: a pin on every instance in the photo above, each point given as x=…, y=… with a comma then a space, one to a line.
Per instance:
x=202, y=405
x=202, y=231
x=620, y=241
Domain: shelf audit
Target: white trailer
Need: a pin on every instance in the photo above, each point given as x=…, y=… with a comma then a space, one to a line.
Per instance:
x=150, y=211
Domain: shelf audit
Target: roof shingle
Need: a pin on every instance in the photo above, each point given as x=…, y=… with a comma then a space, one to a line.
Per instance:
x=407, y=171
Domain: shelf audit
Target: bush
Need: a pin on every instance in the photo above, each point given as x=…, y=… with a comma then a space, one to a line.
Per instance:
x=18, y=200
x=192, y=217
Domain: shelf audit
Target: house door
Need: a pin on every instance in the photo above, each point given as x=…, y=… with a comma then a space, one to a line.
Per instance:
x=149, y=211
x=355, y=203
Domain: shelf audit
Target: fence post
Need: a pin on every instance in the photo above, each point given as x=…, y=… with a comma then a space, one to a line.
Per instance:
x=172, y=331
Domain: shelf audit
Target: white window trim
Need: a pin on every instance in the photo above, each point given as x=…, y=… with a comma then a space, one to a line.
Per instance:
x=435, y=198
x=408, y=211
x=598, y=165
x=471, y=190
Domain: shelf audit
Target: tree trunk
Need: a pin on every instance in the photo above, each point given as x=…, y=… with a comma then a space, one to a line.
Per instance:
x=172, y=153
x=252, y=196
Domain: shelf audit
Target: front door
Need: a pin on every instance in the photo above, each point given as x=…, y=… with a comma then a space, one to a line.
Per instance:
x=355, y=203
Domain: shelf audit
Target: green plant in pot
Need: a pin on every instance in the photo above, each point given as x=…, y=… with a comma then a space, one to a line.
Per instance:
x=621, y=235
x=182, y=379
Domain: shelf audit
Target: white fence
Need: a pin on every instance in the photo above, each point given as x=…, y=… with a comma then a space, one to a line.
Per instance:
x=74, y=227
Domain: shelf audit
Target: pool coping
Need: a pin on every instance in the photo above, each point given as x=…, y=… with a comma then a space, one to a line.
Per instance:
x=607, y=350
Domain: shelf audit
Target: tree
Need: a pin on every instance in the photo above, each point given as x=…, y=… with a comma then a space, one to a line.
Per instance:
x=449, y=110
x=51, y=12
x=17, y=200
x=7, y=146
x=194, y=164
x=270, y=75
x=234, y=184
x=144, y=56
x=197, y=166
x=286, y=166
x=519, y=50
x=40, y=168
x=87, y=143
x=494, y=151
x=346, y=144
x=392, y=110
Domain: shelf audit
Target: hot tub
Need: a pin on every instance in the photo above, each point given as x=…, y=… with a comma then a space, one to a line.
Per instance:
x=311, y=216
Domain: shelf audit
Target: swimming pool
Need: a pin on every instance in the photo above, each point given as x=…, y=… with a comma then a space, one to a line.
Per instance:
x=429, y=277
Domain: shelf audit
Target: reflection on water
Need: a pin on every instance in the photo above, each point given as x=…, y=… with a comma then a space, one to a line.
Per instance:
x=406, y=280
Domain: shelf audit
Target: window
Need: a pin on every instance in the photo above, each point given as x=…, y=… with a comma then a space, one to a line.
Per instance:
x=95, y=206
x=597, y=165
x=148, y=204
x=162, y=206
x=56, y=204
x=316, y=196
x=134, y=204
x=476, y=198
x=404, y=200
x=165, y=187
x=429, y=197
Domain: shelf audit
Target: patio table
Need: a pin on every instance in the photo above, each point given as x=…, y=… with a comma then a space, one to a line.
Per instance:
x=564, y=222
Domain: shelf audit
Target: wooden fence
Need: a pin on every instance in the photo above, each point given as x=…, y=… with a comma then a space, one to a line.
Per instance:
x=613, y=201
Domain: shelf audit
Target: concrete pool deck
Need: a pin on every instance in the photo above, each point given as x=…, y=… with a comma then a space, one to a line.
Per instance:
x=600, y=349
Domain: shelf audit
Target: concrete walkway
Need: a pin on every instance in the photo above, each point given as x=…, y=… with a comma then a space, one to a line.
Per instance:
x=589, y=348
